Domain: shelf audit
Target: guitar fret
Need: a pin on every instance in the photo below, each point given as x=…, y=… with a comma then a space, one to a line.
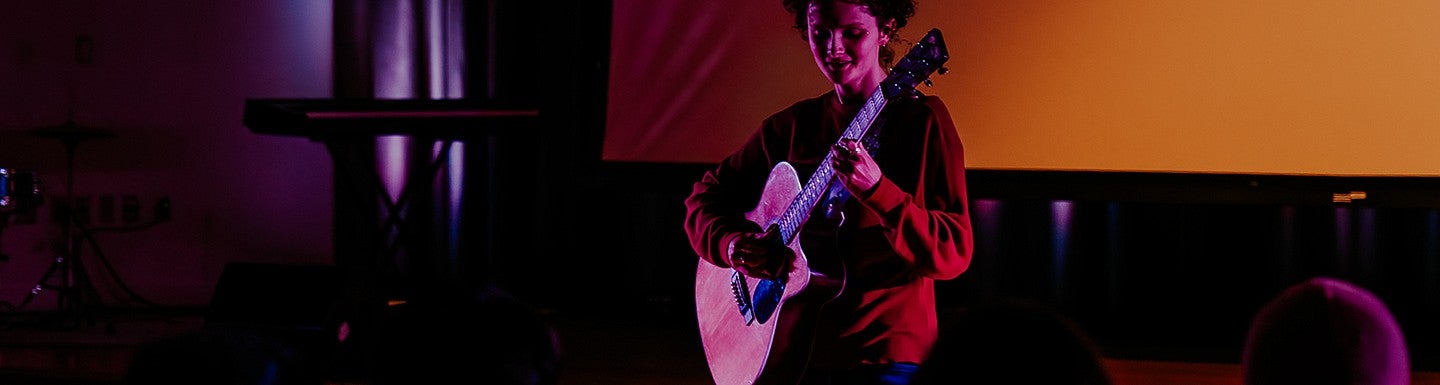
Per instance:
x=819, y=182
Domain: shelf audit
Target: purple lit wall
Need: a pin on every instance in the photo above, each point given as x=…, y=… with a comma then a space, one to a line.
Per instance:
x=169, y=80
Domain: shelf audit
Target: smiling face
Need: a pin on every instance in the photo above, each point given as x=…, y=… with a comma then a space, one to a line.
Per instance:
x=845, y=40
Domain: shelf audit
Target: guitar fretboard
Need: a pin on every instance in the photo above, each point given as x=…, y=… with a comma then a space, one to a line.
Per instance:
x=815, y=187
x=924, y=58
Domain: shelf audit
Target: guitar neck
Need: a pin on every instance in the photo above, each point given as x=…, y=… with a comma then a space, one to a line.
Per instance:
x=819, y=182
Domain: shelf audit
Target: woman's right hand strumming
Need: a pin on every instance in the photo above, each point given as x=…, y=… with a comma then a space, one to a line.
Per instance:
x=760, y=255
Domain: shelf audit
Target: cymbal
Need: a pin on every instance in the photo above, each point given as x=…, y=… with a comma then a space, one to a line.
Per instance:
x=69, y=131
x=120, y=147
x=23, y=148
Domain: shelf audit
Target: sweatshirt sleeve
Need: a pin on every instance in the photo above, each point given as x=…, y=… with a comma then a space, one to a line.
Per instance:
x=716, y=207
x=930, y=228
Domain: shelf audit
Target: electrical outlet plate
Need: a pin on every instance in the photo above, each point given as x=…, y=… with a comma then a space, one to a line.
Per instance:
x=104, y=209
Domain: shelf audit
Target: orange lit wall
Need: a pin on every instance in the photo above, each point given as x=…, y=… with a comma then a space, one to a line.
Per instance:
x=1263, y=87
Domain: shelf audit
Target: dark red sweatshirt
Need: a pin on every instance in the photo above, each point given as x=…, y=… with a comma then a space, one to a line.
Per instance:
x=897, y=239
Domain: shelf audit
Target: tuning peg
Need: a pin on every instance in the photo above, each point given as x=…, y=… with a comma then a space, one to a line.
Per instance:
x=944, y=70
x=929, y=83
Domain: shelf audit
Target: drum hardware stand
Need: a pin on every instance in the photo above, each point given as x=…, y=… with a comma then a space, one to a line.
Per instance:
x=16, y=196
x=77, y=301
x=4, y=220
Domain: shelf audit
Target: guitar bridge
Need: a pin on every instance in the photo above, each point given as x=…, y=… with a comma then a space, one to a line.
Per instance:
x=741, y=291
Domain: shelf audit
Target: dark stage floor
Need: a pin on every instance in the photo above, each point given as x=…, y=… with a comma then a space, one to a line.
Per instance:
x=640, y=348
x=38, y=348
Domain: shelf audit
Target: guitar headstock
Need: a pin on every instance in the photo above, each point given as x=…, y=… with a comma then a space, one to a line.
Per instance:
x=926, y=57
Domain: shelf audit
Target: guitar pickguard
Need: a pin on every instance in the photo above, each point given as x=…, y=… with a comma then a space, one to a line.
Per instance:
x=762, y=304
x=768, y=293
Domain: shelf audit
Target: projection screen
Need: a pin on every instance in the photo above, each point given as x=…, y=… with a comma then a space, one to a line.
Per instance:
x=1347, y=88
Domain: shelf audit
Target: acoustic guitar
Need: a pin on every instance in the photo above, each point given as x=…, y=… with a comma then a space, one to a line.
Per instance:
x=759, y=331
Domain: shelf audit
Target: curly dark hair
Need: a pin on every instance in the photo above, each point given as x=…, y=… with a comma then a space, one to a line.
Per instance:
x=898, y=10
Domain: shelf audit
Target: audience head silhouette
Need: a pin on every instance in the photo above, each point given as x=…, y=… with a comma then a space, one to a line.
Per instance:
x=1013, y=342
x=489, y=338
x=1325, y=331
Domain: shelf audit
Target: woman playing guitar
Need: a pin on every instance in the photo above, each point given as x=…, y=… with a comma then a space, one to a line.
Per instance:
x=844, y=296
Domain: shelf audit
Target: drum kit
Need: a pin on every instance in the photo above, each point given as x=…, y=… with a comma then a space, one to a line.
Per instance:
x=21, y=193
x=20, y=188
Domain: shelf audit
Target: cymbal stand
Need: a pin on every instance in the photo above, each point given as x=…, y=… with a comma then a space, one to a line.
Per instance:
x=76, y=300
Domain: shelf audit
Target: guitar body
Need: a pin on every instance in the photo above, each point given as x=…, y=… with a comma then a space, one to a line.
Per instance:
x=744, y=350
